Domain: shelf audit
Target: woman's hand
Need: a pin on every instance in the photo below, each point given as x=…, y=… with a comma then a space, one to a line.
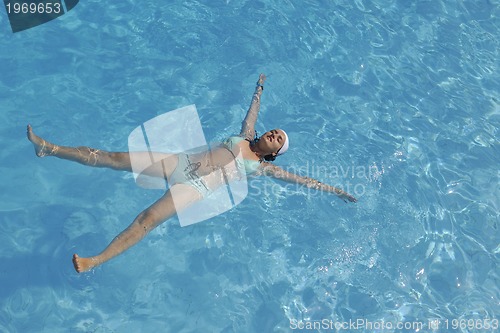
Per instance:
x=347, y=197
x=261, y=80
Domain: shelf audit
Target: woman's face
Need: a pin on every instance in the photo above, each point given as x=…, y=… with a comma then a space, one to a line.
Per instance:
x=272, y=141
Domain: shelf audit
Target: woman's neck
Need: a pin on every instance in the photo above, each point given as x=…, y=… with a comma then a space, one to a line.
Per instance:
x=255, y=148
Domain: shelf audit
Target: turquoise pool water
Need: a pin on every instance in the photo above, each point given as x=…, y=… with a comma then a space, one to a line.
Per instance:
x=395, y=101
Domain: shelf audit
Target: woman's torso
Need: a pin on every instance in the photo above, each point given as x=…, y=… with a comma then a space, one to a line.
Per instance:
x=233, y=156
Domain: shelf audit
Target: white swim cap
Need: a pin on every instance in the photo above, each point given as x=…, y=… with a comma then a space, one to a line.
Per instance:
x=284, y=148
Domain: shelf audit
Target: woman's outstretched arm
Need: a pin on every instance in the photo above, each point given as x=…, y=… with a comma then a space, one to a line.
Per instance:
x=247, y=127
x=278, y=173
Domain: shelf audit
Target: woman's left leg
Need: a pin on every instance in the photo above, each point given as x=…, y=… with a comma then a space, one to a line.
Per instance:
x=146, y=221
x=154, y=164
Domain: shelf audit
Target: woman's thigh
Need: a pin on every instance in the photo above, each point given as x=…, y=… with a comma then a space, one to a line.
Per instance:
x=184, y=195
x=158, y=165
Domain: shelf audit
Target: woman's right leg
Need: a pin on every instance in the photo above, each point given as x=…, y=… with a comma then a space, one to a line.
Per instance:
x=146, y=221
x=103, y=159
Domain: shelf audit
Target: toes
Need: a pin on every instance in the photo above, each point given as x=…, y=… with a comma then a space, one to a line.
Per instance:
x=75, y=262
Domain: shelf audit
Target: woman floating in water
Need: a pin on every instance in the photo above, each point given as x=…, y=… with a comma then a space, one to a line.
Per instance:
x=256, y=153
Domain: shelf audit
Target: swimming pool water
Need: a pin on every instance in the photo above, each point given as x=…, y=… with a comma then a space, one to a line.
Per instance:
x=395, y=101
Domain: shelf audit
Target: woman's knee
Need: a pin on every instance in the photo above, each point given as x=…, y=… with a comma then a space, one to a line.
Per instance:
x=148, y=220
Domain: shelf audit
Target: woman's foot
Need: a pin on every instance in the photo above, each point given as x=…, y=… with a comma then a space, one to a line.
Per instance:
x=83, y=264
x=42, y=147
